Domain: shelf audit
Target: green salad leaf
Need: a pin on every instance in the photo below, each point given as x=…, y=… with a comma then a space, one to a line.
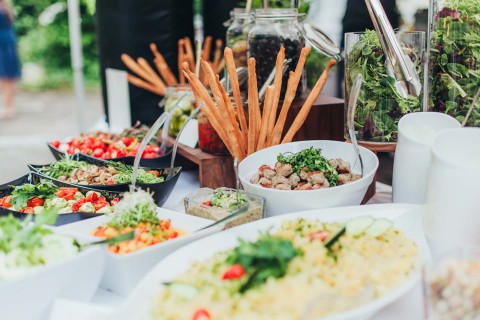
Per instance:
x=22, y=194
x=267, y=257
x=311, y=159
x=455, y=59
x=62, y=167
x=227, y=200
x=125, y=172
x=379, y=105
x=134, y=208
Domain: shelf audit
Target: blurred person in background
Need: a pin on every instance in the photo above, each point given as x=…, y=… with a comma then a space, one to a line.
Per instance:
x=9, y=63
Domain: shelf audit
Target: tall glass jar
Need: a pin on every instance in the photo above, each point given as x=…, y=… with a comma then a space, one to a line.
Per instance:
x=180, y=112
x=271, y=29
x=379, y=106
x=454, y=58
x=237, y=33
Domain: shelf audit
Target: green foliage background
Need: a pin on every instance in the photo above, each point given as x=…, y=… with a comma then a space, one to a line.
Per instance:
x=49, y=45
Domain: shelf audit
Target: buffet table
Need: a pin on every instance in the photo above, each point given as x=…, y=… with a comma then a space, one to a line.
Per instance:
x=408, y=307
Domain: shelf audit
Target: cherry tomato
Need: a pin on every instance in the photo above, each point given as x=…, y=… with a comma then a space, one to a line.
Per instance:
x=208, y=203
x=121, y=153
x=99, y=145
x=149, y=155
x=201, y=314
x=55, y=143
x=5, y=202
x=28, y=210
x=89, y=142
x=155, y=172
x=127, y=141
x=321, y=235
x=34, y=202
x=66, y=193
x=99, y=205
x=76, y=206
x=235, y=271
x=110, y=181
x=98, y=153
x=115, y=200
x=71, y=150
x=92, y=197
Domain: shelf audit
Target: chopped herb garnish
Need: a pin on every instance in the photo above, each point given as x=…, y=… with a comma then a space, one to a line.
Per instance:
x=311, y=159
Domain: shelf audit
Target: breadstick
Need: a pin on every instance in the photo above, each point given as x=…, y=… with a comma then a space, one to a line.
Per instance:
x=218, y=54
x=277, y=82
x=162, y=66
x=153, y=75
x=207, y=48
x=267, y=114
x=144, y=85
x=190, y=57
x=307, y=106
x=233, y=119
x=181, y=59
x=132, y=65
x=210, y=109
x=253, y=107
x=220, y=67
x=217, y=94
x=232, y=72
x=289, y=96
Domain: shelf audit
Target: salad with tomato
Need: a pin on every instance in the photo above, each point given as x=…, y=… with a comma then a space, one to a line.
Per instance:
x=137, y=212
x=37, y=198
x=104, y=145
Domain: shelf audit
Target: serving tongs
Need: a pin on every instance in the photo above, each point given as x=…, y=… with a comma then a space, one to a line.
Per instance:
x=352, y=104
x=398, y=64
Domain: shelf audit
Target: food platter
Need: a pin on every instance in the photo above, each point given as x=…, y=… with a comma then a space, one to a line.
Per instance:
x=407, y=218
x=161, y=190
x=6, y=189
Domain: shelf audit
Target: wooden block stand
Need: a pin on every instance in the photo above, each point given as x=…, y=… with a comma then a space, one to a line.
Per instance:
x=325, y=122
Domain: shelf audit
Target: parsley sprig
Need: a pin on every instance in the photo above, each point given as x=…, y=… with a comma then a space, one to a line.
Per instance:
x=267, y=257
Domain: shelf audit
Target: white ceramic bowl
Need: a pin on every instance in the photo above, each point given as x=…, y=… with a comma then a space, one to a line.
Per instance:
x=31, y=296
x=283, y=201
x=123, y=272
x=407, y=218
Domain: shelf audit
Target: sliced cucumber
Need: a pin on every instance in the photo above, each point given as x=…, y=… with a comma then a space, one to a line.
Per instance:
x=334, y=237
x=358, y=226
x=379, y=227
x=183, y=290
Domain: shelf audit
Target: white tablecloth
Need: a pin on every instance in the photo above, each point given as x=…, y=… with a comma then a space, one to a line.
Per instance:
x=408, y=307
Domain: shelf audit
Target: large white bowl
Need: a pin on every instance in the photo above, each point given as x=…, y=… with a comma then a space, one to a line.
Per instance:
x=407, y=218
x=32, y=295
x=283, y=201
x=123, y=272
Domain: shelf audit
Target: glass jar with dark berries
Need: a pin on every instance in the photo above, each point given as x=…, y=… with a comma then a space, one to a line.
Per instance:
x=237, y=33
x=271, y=29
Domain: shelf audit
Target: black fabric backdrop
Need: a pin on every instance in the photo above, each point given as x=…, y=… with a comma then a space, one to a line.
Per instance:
x=128, y=26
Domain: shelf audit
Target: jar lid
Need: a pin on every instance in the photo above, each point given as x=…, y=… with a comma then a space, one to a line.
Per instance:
x=320, y=41
x=277, y=13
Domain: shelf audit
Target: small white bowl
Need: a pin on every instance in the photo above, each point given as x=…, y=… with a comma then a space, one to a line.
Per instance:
x=123, y=272
x=31, y=295
x=283, y=201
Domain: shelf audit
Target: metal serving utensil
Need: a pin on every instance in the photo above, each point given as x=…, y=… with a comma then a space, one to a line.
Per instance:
x=271, y=76
x=472, y=106
x=399, y=65
x=153, y=130
x=352, y=104
x=114, y=240
x=177, y=140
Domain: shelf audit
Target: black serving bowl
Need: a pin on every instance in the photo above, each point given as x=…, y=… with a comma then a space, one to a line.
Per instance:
x=161, y=191
x=158, y=162
x=33, y=177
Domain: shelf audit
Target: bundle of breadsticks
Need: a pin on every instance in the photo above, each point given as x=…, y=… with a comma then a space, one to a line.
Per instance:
x=147, y=78
x=263, y=129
